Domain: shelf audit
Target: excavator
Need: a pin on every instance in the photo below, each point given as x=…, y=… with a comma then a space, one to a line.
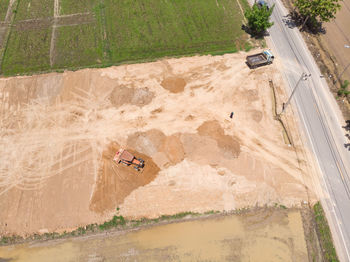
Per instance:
x=126, y=158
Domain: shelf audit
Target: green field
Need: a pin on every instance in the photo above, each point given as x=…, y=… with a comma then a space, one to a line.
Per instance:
x=76, y=6
x=31, y=9
x=85, y=46
x=3, y=9
x=27, y=51
x=144, y=30
x=112, y=31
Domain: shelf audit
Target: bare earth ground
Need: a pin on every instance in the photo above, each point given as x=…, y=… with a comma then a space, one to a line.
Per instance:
x=59, y=133
x=335, y=55
x=337, y=35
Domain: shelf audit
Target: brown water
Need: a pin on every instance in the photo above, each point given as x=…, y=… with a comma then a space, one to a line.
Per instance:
x=261, y=236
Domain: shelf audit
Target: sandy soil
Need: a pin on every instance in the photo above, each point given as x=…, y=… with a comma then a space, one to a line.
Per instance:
x=337, y=35
x=59, y=133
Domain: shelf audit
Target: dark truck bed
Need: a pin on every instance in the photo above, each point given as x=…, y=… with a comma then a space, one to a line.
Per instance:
x=263, y=58
x=256, y=60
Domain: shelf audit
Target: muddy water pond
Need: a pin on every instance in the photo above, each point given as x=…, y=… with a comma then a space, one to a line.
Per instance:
x=266, y=235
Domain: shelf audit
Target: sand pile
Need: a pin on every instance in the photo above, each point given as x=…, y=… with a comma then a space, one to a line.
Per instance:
x=174, y=84
x=123, y=95
x=214, y=130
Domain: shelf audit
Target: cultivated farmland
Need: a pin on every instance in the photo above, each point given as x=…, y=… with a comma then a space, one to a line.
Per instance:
x=85, y=46
x=68, y=7
x=34, y=9
x=3, y=9
x=29, y=51
x=58, y=34
x=146, y=30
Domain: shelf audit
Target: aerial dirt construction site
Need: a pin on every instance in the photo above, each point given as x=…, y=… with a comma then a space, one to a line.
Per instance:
x=198, y=134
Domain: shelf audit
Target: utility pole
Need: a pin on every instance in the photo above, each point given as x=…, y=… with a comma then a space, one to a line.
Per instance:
x=303, y=76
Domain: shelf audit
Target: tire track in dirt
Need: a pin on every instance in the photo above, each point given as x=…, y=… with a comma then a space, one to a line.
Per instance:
x=53, y=34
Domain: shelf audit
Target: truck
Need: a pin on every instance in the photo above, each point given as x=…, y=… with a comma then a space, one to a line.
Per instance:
x=264, y=58
x=128, y=159
x=262, y=3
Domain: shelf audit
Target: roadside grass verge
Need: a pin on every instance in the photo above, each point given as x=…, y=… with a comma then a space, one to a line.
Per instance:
x=32, y=9
x=324, y=234
x=27, y=51
x=68, y=7
x=3, y=9
x=78, y=45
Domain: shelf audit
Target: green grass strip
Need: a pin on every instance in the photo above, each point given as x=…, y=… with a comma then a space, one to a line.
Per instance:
x=324, y=234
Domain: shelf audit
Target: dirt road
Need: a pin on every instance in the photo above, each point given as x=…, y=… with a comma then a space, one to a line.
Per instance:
x=59, y=133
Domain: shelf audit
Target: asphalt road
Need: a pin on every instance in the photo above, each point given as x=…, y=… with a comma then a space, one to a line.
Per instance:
x=322, y=123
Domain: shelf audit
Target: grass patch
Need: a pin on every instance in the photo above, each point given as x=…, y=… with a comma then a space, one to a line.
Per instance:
x=68, y=7
x=247, y=46
x=27, y=51
x=30, y=9
x=283, y=206
x=144, y=30
x=78, y=45
x=324, y=234
x=3, y=9
x=116, y=221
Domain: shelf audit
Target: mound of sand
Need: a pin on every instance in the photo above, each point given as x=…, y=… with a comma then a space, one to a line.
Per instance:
x=215, y=131
x=174, y=84
x=124, y=95
x=168, y=150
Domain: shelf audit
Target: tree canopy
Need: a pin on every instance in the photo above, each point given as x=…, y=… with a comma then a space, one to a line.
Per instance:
x=258, y=18
x=318, y=10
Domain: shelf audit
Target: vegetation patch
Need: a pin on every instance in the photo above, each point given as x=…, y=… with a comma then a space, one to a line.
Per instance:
x=343, y=90
x=33, y=9
x=27, y=51
x=68, y=7
x=324, y=234
x=78, y=45
x=3, y=9
x=144, y=30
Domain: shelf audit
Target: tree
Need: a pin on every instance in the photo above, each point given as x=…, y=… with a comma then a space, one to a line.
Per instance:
x=317, y=11
x=258, y=18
